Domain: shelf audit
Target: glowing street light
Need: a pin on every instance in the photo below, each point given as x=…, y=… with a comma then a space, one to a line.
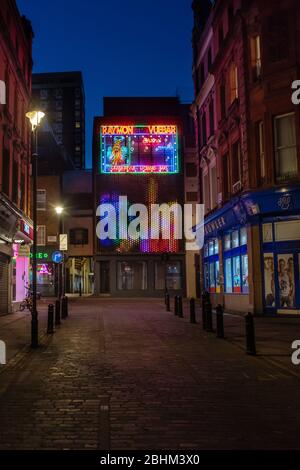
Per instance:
x=35, y=116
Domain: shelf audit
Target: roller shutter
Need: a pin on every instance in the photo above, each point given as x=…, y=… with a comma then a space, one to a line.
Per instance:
x=3, y=284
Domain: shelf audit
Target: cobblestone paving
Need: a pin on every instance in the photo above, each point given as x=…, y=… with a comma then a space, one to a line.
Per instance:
x=124, y=374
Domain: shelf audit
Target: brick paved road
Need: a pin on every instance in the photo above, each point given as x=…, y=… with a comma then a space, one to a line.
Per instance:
x=124, y=374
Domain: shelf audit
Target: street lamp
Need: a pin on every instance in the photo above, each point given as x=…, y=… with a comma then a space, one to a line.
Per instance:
x=59, y=211
x=35, y=117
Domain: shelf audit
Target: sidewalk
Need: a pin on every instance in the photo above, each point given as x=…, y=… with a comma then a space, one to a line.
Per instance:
x=15, y=328
x=274, y=335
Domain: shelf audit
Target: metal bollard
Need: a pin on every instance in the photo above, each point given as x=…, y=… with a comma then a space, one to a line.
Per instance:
x=209, y=318
x=176, y=305
x=63, y=308
x=193, y=311
x=57, y=312
x=220, y=321
x=250, y=335
x=180, y=307
x=50, y=326
x=204, y=300
x=168, y=303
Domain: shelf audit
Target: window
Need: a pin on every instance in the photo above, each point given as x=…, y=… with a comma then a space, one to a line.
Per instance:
x=6, y=170
x=209, y=59
x=225, y=171
x=203, y=125
x=41, y=199
x=77, y=125
x=228, y=276
x=58, y=92
x=211, y=118
x=205, y=192
x=236, y=163
x=261, y=151
x=213, y=186
x=236, y=262
x=58, y=105
x=132, y=275
x=43, y=94
x=41, y=235
x=223, y=100
x=15, y=188
x=256, y=57
x=233, y=83
x=190, y=170
x=212, y=266
x=285, y=147
x=79, y=236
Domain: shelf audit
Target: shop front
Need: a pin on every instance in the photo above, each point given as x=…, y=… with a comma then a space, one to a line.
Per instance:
x=47, y=272
x=251, y=256
x=139, y=276
x=20, y=263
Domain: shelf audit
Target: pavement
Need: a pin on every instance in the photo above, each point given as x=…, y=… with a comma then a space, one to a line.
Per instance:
x=126, y=374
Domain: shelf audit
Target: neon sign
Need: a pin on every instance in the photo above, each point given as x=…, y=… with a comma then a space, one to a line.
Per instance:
x=139, y=149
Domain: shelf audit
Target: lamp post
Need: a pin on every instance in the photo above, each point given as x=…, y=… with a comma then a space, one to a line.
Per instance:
x=35, y=117
x=59, y=211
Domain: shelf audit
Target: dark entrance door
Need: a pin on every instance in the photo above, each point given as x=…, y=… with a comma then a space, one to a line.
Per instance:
x=104, y=277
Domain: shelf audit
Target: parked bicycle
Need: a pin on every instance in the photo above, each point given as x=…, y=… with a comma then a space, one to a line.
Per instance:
x=27, y=302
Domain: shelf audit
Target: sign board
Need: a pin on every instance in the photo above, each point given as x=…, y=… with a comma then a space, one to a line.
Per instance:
x=63, y=242
x=57, y=257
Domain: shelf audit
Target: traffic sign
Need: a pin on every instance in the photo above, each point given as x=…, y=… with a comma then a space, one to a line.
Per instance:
x=57, y=256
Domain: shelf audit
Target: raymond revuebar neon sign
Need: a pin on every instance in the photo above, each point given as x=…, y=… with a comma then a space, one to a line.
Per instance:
x=139, y=149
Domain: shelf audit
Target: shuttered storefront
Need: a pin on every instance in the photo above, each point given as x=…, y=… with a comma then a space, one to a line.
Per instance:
x=3, y=284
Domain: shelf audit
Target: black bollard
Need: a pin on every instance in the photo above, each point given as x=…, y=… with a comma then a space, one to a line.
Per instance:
x=176, y=305
x=193, y=311
x=209, y=318
x=57, y=312
x=168, y=303
x=50, y=326
x=63, y=308
x=180, y=307
x=204, y=300
x=250, y=335
x=220, y=321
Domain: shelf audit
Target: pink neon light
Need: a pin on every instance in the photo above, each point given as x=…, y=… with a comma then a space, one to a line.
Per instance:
x=139, y=169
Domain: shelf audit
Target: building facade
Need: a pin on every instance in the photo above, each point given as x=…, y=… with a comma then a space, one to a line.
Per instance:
x=246, y=57
x=16, y=230
x=138, y=157
x=61, y=96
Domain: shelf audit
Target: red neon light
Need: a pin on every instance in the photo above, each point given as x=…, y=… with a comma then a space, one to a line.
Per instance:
x=139, y=169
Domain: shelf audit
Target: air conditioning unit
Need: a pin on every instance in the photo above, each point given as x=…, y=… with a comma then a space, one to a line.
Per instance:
x=237, y=187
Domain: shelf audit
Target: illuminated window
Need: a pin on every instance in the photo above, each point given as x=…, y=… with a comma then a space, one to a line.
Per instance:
x=233, y=83
x=77, y=125
x=285, y=147
x=132, y=275
x=256, y=57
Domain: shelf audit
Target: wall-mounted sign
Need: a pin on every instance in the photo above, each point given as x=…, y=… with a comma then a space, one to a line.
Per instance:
x=139, y=149
x=63, y=242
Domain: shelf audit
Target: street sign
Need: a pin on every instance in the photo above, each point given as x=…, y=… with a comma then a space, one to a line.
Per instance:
x=57, y=256
x=63, y=242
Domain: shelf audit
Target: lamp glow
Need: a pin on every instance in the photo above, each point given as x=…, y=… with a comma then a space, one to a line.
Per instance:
x=35, y=118
x=59, y=210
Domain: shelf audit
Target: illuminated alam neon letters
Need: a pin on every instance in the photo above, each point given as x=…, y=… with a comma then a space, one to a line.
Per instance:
x=139, y=149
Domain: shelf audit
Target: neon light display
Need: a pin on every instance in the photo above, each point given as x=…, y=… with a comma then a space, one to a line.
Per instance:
x=139, y=149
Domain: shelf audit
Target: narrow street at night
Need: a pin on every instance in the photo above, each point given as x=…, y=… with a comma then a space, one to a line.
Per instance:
x=126, y=374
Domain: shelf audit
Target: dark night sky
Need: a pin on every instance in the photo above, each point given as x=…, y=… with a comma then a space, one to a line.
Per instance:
x=123, y=47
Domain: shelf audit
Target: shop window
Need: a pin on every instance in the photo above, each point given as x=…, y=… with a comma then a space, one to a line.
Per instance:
x=228, y=276
x=236, y=268
x=235, y=239
x=267, y=233
x=211, y=266
x=174, y=275
x=245, y=274
x=269, y=281
x=243, y=236
x=227, y=242
x=132, y=275
x=212, y=277
x=287, y=231
x=41, y=199
x=286, y=280
x=285, y=147
x=45, y=274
